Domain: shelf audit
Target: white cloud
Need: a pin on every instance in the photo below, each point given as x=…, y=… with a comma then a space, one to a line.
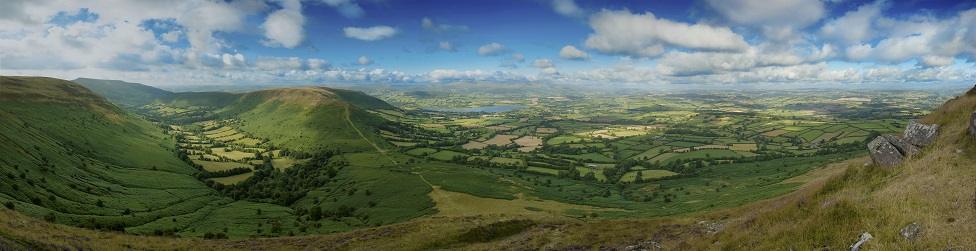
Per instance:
x=777, y=20
x=492, y=49
x=289, y=64
x=363, y=60
x=644, y=35
x=447, y=46
x=855, y=26
x=570, y=52
x=430, y=25
x=202, y=19
x=348, y=8
x=171, y=36
x=930, y=41
x=452, y=75
x=518, y=57
x=370, y=33
x=233, y=60
x=317, y=64
x=83, y=44
x=566, y=8
x=284, y=27
x=543, y=63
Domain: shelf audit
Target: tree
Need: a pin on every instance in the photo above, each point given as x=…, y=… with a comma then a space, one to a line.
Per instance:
x=9, y=205
x=638, y=178
x=315, y=213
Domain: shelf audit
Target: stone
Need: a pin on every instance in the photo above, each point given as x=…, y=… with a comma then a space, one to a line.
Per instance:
x=972, y=125
x=904, y=147
x=920, y=134
x=883, y=153
x=647, y=245
x=711, y=227
x=911, y=231
x=865, y=237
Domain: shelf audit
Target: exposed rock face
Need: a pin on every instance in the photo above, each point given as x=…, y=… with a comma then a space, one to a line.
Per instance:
x=904, y=147
x=890, y=150
x=883, y=153
x=921, y=134
x=972, y=124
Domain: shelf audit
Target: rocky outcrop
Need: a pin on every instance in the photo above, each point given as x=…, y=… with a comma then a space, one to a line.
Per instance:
x=972, y=124
x=890, y=150
x=920, y=134
x=883, y=153
x=904, y=147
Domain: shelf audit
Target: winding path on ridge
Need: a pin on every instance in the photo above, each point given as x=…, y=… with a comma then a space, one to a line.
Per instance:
x=361, y=135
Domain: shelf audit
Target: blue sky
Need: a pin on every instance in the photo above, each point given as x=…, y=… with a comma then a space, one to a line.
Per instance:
x=555, y=41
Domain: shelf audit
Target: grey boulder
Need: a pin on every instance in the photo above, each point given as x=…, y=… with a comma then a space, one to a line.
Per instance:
x=972, y=124
x=904, y=147
x=920, y=134
x=884, y=153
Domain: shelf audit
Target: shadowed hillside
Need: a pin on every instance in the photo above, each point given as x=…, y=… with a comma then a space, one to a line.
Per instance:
x=71, y=157
x=124, y=93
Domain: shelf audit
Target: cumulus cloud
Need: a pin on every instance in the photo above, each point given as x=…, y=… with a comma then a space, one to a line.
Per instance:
x=428, y=24
x=171, y=36
x=451, y=75
x=284, y=27
x=855, y=26
x=492, y=49
x=644, y=35
x=545, y=65
x=930, y=41
x=570, y=52
x=566, y=8
x=289, y=64
x=518, y=57
x=185, y=42
x=348, y=8
x=777, y=20
x=363, y=60
x=447, y=46
x=371, y=33
x=680, y=63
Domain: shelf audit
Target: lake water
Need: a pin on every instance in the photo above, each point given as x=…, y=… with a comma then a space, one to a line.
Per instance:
x=484, y=109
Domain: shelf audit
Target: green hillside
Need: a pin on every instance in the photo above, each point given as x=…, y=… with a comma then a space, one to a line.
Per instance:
x=309, y=118
x=124, y=93
x=302, y=119
x=73, y=158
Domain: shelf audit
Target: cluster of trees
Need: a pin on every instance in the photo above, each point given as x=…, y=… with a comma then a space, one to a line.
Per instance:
x=694, y=132
x=566, y=149
x=285, y=187
x=484, y=162
x=203, y=175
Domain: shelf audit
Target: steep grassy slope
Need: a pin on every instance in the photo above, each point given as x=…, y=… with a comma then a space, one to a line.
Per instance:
x=124, y=93
x=71, y=157
x=309, y=118
x=303, y=118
